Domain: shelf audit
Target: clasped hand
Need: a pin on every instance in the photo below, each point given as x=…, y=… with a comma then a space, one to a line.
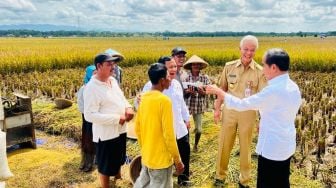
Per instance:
x=129, y=114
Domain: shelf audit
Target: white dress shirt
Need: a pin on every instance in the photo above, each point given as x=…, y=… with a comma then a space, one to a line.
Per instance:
x=80, y=99
x=2, y=113
x=180, y=110
x=103, y=106
x=278, y=104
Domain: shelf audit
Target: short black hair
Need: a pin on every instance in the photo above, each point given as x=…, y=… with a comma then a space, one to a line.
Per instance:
x=156, y=72
x=279, y=57
x=164, y=59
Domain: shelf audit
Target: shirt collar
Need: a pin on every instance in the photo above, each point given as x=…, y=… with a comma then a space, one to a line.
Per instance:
x=251, y=65
x=100, y=82
x=278, y=79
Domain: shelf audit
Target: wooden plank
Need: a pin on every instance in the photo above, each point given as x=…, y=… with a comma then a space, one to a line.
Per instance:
x=16, y=121
x=20, y=95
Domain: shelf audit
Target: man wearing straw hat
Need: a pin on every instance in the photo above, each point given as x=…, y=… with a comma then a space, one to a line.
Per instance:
x=195, y=96
x=241, y=78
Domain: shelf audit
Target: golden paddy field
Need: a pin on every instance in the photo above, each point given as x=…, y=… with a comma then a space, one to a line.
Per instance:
x=45, y=69
x=29, y=54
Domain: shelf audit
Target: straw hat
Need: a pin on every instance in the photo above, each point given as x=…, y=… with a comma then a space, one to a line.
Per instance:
x=130, y=129
x=62, y=103
x=195, y=59
x=135, y=168
x=115, y=53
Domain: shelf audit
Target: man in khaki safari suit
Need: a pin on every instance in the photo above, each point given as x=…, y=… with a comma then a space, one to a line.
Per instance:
x=241, y=78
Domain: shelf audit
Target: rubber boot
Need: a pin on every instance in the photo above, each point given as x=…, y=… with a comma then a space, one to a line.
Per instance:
x=88, y=162
x=197, y=138
x=82, y=163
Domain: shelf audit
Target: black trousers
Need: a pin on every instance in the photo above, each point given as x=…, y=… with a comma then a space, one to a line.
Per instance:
x=184, y=150
x=88, y=147
x=109, y=155
x=273, y=174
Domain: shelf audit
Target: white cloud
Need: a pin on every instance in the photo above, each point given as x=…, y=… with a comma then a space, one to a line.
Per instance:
x=175, y=15
x=96, y=6
x=67, y=12
x=261, y=4
x=17, y=5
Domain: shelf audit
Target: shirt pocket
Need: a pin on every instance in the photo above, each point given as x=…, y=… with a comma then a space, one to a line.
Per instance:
x=232, y=80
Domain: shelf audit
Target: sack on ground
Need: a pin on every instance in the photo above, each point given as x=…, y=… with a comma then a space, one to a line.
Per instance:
x=5, y=173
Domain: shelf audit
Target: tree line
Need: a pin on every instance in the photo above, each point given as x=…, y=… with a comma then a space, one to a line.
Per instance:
x=165, y=34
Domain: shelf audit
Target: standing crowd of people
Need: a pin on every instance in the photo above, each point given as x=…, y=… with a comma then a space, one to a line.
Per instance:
x=177, y=90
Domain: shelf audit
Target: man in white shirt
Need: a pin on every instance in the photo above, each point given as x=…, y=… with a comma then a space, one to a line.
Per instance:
x=278, y=104
x=107, y=108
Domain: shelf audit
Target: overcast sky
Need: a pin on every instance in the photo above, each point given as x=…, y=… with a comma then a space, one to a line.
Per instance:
x=175, y=15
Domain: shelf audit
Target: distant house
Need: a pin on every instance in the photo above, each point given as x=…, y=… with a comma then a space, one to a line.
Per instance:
x=323, y=35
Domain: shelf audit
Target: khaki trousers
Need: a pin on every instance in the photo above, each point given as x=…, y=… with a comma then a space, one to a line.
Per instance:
x=155, y=178
x=231, y=121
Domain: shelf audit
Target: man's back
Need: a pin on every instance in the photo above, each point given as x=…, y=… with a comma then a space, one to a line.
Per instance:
x=277, y=130
x=154, y=128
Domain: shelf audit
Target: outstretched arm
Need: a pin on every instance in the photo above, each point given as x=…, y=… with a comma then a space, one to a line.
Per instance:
x=213, y=89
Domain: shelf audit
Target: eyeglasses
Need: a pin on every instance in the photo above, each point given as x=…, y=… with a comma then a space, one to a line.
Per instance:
x=180, y=56
x=110, y=62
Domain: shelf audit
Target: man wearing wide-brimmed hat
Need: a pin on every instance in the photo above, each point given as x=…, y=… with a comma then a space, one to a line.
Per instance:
x=195, y=95
x=241, y=78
